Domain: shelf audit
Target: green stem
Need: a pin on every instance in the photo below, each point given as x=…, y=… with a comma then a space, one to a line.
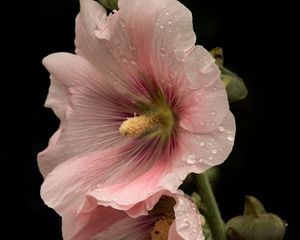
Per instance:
x=212, y=216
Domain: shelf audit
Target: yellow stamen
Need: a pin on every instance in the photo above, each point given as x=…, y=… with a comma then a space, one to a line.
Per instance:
x=138, y=125
x=161, y=228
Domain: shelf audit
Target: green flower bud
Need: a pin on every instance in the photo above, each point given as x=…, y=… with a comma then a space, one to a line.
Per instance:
x=109, y=4
x=235, y=86
x=255, y=224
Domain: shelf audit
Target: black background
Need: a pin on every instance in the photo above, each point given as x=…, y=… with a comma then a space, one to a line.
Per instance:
x=257, y=44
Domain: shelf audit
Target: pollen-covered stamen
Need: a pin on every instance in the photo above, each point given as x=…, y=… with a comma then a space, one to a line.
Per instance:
x=161, y=228
x=159, y=121
x=137, y=126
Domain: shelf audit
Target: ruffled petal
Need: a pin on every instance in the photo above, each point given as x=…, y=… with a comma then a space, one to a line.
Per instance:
x=188, y=220
x=146, y=42
x=205, y=108
x=110, y=176
x=73, y=179
x=199, y=152
x=57, y=98
x=94, y=113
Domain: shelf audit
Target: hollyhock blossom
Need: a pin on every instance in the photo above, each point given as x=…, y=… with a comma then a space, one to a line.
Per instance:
x=174, y=217
x=140, y=107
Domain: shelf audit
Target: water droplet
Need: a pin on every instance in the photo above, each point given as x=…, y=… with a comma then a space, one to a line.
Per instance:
x=213, y=113
x=230, y=138
x=169, y=30
x=124, y=59
x=157, y=23
x=180, y=201
x=221, y=128
x=167, y=13
x=229, y=132
x=210, y=158
x=123, y=25
x=214, y=151
x=202, y=123
x=213, y=124
x=191, y=158
x=131, y=47
x=132, y=62
x=185, y=224
x=202, y=144
x=194, y=229
x=172, y=75
x=169, y=22
x=163, y=52
x=161, y=27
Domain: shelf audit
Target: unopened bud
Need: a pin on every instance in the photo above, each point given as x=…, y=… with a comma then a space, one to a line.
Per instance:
x=255, y=224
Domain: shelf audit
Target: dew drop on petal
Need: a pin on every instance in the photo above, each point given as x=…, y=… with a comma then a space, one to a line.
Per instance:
x=214, y=151
x=191, y=158
x=202, y=123
x=161, y=27
x=221, y=128
x=132, y=62
x=163, y=52
x=124, y=59
x=185, y=223
x=213, y=113
x=210, y=158
x=169, y=22
x=202, y=144
x=131, y=47
x=123, y=25
x=213, y=124
x=230, y=138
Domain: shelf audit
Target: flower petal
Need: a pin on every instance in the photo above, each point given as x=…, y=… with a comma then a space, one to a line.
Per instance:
x=144, y=41
x=57, y=98
x=74, y=178
x=84, y=225
x=188, y=220
x=205, y=108
x=121, y=196
x=173, y=234
x=89, y=125
x=129, y=229
x=199, y=152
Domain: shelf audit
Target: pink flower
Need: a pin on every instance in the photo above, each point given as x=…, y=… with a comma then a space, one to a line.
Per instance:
x=174, y=217
x=140, y=107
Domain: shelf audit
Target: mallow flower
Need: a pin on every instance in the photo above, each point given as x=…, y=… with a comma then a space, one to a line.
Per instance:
x=140, y=107
x=174, y=217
